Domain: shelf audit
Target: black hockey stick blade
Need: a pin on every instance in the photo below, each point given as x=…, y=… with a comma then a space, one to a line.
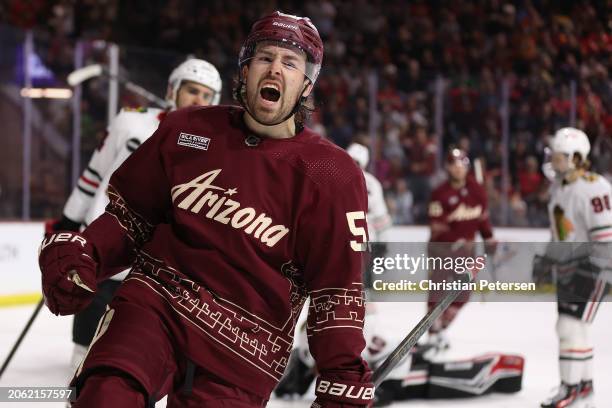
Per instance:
x=402, y=350
x=21, y=337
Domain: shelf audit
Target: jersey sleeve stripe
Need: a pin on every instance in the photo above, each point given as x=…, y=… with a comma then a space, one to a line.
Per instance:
x=603, y=227
x=602, y=236
x=586, y=350
x=93, y=173
x=86, y=192
x=90, y=182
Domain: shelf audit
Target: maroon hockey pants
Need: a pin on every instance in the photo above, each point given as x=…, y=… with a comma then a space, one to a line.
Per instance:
x=112, y=390
x=133, y=362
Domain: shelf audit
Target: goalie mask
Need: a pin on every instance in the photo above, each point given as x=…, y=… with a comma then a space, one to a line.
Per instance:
x=566, y=144
x=198, y=71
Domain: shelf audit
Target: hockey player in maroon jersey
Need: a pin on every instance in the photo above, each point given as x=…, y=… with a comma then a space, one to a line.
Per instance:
x=457, y=211
x=229, y=217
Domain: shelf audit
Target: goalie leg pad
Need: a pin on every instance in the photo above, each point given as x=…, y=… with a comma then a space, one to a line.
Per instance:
x=493, y=372
x=478, y=376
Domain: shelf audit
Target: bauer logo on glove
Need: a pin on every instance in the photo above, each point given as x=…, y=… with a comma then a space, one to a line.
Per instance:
x=62, y=237
x=331, y=393
x=68, y=272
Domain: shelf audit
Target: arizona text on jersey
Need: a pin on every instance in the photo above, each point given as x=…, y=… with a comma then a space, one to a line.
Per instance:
x=462, y=212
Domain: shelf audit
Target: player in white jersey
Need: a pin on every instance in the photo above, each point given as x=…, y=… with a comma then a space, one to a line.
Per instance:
x=194, y=82
x=378, y=217
x=379, y=220
x=581, y=222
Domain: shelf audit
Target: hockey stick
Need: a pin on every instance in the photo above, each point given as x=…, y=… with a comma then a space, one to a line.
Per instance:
x=72, y=277
x=479, y=176
x=21, y=337
x=402, y=350
x=478, y=171
x=500, y=259
x=81, y=75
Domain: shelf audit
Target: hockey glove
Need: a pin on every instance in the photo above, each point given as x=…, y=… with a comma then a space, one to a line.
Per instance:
x=334, y=392
x=68, y=269
x=542, y=269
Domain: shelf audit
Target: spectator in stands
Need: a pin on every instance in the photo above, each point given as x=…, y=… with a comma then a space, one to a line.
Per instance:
x=472, y=45
x=401, y=197
x=421, y=152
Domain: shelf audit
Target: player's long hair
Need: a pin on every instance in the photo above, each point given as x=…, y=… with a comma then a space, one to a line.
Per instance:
x=581, y=164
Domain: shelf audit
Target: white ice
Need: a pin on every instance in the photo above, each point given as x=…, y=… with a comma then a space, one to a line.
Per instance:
x=526, y=328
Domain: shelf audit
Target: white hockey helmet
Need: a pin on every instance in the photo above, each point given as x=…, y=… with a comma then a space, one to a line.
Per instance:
x=570, y=141
x=359, y=153
x=198, y=71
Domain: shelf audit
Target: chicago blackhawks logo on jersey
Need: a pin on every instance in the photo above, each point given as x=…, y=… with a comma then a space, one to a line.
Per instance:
x=219, y=207
x=563, y=225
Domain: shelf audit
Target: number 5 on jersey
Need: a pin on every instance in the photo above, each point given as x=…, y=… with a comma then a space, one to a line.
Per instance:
x=351, y=218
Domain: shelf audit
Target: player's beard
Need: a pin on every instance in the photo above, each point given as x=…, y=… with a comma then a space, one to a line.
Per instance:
x=266, y=112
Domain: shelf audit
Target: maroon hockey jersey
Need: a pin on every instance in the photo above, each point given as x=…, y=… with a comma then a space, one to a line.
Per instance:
x=233, y=232
x=456, y=214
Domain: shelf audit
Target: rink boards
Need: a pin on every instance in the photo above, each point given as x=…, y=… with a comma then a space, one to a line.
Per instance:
x=20, y=275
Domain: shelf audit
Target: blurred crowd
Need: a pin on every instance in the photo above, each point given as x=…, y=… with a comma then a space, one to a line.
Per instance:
x=442, y=72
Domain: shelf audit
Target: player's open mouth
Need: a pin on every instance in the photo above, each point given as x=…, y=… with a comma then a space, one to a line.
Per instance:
x=270, y=93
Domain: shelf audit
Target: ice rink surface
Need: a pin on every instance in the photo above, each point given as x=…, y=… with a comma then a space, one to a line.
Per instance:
x=526, y=328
